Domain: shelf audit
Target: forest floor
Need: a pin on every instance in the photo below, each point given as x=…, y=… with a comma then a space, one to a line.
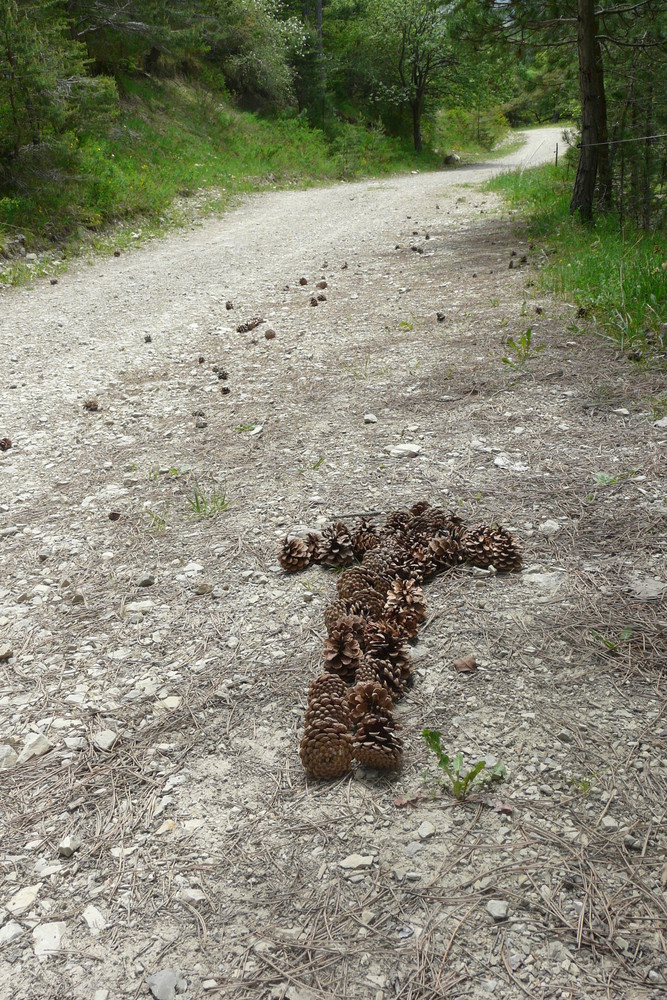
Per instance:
x=153, y=667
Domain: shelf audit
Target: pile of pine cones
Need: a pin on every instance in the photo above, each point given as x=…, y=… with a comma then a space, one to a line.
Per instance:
x=380, y=606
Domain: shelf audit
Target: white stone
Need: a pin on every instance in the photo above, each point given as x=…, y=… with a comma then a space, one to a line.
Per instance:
x=104, y=740
x=8, y=756
x=426, y=830
x=370, y=418
x=68, y=845
x=22, y=900
x=662, y=423
x=353, y=861
x=503, y=461
x=47, y=938
x=10, y=932
x=6, y=652
x=549, y=527
x=35, y=745
x=171, y=703
x=94, y=918
x=498, y=909
x=139, y=606
x=406, y=450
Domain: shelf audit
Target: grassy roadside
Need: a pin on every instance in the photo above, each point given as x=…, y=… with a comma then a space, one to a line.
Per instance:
x=619, y=279
x=174, y=151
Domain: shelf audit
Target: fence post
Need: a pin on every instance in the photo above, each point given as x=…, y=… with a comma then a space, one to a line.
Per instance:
x=556, y=154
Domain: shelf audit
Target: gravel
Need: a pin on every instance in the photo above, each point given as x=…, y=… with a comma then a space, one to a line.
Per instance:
x=170, y=712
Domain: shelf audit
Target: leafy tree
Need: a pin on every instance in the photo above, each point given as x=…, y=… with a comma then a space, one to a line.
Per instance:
x=44, y=86
x=414, y=39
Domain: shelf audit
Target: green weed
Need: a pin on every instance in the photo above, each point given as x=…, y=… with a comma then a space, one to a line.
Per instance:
x=207, y=504
x=460, y=779
x=158, y=522
x=522, y=352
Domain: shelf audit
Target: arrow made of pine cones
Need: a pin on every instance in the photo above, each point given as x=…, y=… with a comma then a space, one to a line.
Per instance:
x=380, y=605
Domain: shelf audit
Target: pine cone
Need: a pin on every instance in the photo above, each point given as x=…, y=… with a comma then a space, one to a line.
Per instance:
x=394, y=676
x=92, y=405
x=364, y=538
x=326, y=749
x=342, y=653
x=367, y=604
x=420, y=508
x=376, y=743
x=446, y=550
x=314, y=543
x=5, y=444
x=398, y=522
x=333, y=614
x=405, y=607
x=506, y=552
x=336, y=547
x=368, y=698
x=350, y=582
x=423, y=564
x=327, y=706
x=329, y=684
x=293, y=555
x=478, y=546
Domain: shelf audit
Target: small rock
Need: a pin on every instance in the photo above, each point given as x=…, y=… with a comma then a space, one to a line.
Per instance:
x=353, y=861
x=94, y=918
x=549, y=527
x=68, y=845
x=662, y=423
x=47, y=938
x=229, y=304
x=139, y=607
x=144, y=580
x=414, y=847
x=609, y=824
x=22, y=900
x=35, y=745
x=270, y=334
x=11, y=931
x=313, y=301
x=498, y=909
x=6, y=652
x=105, y=740
x=403, y=450
x=426, y=830
x=204, y=588
x=101, y=995
x=441, y=317
x=165, y=984
x=8, y=756
x=303, y=281
x=370, y=418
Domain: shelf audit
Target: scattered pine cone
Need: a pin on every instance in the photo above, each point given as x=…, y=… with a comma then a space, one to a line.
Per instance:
x=393, y=675
x=327, y=706
x=293, y=555
x=364, y=538
x=506, y=552
x=5, y=444
x=333, y=614
x=92, y=405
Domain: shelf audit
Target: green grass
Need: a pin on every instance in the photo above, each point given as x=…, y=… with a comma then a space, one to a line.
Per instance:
x=617, y=278
x=173, y=145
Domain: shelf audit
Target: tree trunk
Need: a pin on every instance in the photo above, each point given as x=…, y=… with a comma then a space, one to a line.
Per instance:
x=417, y=124
x=320, y=43
x=605, y=189
x=584, y=184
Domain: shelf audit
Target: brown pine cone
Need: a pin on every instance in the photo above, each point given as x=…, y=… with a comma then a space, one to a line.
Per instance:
x=376, y=743
x=367, y=604
x=293, y=555
x=314, y=543
x=329, y=684
x=5, y=444
x=394, y=676
x=405, y=607
x=506, y=552
x=478, y=546
x=364, y=537
x=326, y=749
x=446, y=550
x=327, y=706
x=342, y=653
x=420, y=508
x=336, y=547
x=349, y=582
x=333, y=613
x=368, y=698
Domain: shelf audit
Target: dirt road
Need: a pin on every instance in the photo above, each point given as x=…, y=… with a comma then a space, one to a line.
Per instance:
x=154, y=658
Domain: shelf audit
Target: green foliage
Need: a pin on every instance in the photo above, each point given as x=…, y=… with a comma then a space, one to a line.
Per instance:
x=521, y=352
x=207, y=503
x=44, y=87
x=617, y=276
x=461, y=780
